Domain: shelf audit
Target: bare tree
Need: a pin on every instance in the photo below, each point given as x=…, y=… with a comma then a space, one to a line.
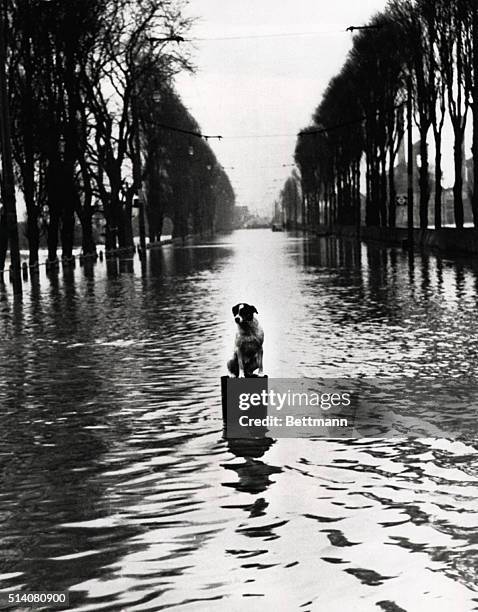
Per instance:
x=453, y=28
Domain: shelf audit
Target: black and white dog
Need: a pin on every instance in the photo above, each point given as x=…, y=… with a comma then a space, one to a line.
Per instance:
x=248, y=344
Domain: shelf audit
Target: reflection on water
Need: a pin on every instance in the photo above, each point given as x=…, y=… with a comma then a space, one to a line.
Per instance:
x=118, y=485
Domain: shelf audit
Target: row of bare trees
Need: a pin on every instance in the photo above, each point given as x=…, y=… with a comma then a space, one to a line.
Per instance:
x=426, y=49
x=91, y=82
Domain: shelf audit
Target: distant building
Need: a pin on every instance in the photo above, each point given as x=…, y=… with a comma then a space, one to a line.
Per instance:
x=401, y=171
x=241, y=216
x=258, y=221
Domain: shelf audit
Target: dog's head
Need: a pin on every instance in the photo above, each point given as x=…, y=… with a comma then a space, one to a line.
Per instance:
x=243, y=313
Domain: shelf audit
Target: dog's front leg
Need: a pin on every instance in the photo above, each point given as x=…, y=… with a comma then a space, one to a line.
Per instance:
x=259, y=360
x=233, y=367
x=240, y=362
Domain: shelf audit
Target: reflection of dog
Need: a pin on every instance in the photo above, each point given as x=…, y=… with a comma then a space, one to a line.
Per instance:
x=248, y=345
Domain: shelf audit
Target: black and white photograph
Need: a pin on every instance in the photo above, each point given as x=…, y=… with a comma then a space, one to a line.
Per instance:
x=239, y=305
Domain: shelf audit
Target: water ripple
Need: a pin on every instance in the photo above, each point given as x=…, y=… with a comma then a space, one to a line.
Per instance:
x=117, y=483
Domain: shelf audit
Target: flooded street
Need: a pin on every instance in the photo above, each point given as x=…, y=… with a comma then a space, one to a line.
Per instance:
x=117, y=483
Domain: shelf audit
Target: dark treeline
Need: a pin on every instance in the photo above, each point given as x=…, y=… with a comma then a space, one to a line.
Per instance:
x=428, y=48
x=91, y=87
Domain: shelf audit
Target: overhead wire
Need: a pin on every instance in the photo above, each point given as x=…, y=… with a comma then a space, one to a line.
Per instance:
x=246, y=37
x=259, y=36
x=302, y=133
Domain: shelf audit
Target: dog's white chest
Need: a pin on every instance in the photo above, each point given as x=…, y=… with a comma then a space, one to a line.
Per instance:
x=248, y=344
x=251, y=341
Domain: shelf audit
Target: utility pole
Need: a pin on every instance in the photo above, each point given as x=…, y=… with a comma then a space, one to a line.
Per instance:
x=410, y=162
x=8, y=186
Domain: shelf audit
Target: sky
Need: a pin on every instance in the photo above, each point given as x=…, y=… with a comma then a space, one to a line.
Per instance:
x=260, y=90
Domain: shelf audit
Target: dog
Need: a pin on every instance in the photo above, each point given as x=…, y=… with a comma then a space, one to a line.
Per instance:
x=248, y=352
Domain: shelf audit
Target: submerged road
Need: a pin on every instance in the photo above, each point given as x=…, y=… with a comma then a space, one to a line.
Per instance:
x=117, y=483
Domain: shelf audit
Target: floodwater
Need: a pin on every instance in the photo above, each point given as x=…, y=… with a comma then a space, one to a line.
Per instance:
x=117, y=483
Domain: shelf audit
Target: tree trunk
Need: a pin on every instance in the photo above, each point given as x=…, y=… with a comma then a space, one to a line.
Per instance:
x=113, y=214
x=458, y=186
x=392, y=192
x=438, y=185
x=88, y=245
x=120, y=232
x=54, y=187
x=302, y=216
x=127, y=234
x=474, y=197
x=29, y=195
x=383, y=187
x=458, y=121
x=424, y=179
x=370, y=204
x=339, y=197
x=3, y=241
x=85, y=211
x=358, y=199
x=33, y=233
x=67, y=232
x=159, y=228
x=373, y=216
x=29, y=167
x=70, y=197
x=52, y=237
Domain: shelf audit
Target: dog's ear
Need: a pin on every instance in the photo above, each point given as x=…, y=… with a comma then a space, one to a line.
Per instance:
x=254, y=309
x=235, y=309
